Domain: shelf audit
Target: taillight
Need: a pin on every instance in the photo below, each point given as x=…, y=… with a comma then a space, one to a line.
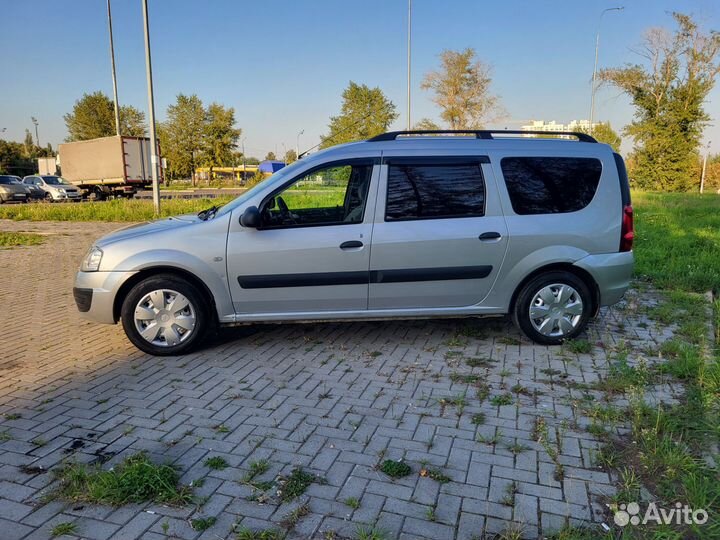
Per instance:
x=627, y=232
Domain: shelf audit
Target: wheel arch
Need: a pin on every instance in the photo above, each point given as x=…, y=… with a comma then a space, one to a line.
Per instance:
x=158, y=270
x=580, y=273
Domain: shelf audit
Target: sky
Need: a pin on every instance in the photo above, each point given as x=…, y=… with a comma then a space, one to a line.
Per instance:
x=283, y=64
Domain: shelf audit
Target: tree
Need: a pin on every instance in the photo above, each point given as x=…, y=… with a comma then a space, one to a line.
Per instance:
x=426, y=124
x=29, y=145
x=220, y=136
x=290, y=156
x=93, y=116
x=668, y=92
x=365, y=112
x=270, y=156
x=462, y=90
x=604, y=133
x=181, y=135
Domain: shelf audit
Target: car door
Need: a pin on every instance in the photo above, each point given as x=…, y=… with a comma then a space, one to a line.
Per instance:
x=440, y=237
x=311, y=252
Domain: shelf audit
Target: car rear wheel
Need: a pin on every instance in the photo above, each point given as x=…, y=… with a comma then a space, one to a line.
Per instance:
x=553, y=307
x=165, y=315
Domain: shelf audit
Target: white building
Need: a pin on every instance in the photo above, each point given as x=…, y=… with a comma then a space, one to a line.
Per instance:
x=574, y=125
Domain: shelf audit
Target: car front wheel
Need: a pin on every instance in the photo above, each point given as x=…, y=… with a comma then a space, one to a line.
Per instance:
x=553, y=307
x=165, y=315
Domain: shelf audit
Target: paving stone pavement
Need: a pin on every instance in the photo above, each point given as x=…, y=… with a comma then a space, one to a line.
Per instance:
x=472, y=399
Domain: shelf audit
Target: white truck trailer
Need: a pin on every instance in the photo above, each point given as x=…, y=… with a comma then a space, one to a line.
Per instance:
x=109, y=166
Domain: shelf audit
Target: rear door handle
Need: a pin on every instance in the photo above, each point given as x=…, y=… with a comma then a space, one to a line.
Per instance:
x=351, y=244
x=489, y=236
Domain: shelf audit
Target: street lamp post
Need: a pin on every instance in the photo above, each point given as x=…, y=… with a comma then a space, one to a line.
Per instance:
x=37, y=137
x=409, y=36
x=114, y=79
x=243, y=153
x=297, y=144
x=151, y=110
x=597, y=47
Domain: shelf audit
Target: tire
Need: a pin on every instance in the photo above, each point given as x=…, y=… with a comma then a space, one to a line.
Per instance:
x=565, y=298
x=167, y=332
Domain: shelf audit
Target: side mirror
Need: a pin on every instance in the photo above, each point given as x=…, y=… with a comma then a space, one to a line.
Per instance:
x=250, y=218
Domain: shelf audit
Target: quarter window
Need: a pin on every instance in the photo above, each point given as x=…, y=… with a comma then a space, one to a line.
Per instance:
x=434, y=191
x=550, y=185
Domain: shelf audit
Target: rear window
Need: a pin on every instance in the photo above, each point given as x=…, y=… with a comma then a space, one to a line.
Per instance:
x=550, y=185
x=434, y=191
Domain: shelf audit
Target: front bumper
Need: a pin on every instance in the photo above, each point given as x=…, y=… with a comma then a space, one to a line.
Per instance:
x=612, y=273
x=95, y=294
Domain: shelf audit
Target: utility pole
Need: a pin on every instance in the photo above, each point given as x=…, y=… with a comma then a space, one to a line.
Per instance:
x=597, y=47
x=154, y=162
x=243, y=152
x=114, y=79
x=704, y=167
x=409, y=42
x=37, y=137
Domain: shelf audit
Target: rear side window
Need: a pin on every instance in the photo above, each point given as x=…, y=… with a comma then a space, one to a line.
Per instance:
x=425, y=190
x=550, y=185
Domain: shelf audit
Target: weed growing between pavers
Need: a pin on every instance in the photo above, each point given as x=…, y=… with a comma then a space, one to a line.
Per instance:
x=370, y=532
x=245, y=533
x=134, y=480
x=294, y=485
x=203, y=524
x=435, y=474
x=216, y=463
x=65, y=528
x=15, y=239
x=395, y=469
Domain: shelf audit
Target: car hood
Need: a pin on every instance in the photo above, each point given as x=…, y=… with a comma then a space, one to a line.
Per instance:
x=149, y=227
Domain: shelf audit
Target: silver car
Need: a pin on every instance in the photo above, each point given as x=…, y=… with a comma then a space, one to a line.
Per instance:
x=56, y=188
x=11, y=190
x=403, y=225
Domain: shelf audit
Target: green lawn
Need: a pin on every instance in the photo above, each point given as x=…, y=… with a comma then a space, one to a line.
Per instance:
x=14, y=239
x=677, y=240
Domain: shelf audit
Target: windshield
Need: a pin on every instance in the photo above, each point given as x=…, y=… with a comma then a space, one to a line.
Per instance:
x=276, y=178
x=55, y=181
x=9, y=180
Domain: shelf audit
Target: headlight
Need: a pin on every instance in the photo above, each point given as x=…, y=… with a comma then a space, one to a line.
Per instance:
x=61, y=190
x=91, y=261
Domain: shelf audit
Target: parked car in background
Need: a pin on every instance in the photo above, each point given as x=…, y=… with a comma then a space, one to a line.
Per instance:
x=11, y=189
x=55, y=188
x=35, y=192
x=403, y=225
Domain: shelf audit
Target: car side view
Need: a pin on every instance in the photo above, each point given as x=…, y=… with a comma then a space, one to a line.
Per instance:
x=404, y=225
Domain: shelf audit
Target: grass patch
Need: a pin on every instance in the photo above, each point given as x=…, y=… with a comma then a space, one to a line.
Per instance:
x=352, y=502
x=677, y=240
x=395, y=469
x=579, y=346
x=15, y=239
x=478, y=419
x=216, y=463
x=115, y=210
x=203, y=524
x=134, y=480
x=465, y=378
x=64, y=528
x=370, y=532
x=294, y=485
x=245, y=533
x=502, y=399
x=435, y=474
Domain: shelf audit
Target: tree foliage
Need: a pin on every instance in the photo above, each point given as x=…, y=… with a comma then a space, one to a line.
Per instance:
x=290, y=156
x=426, y=124
x=20, y=158
x=461, y=89
x=604, y=133
x=181, y=135
x=668, y=92
x=270, y=156
x=93, y=116
x=220, y=136
x=365, y=112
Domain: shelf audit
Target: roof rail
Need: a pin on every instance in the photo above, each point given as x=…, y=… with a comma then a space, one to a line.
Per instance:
x=479, y=134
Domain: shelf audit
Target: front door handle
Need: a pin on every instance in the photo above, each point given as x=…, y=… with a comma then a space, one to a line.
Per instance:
x=489, y=236
x=351, y=244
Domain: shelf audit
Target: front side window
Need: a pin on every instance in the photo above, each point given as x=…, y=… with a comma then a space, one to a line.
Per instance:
x=550, y=185
x=434, y=190
x=54, y=181
x=332, y=195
